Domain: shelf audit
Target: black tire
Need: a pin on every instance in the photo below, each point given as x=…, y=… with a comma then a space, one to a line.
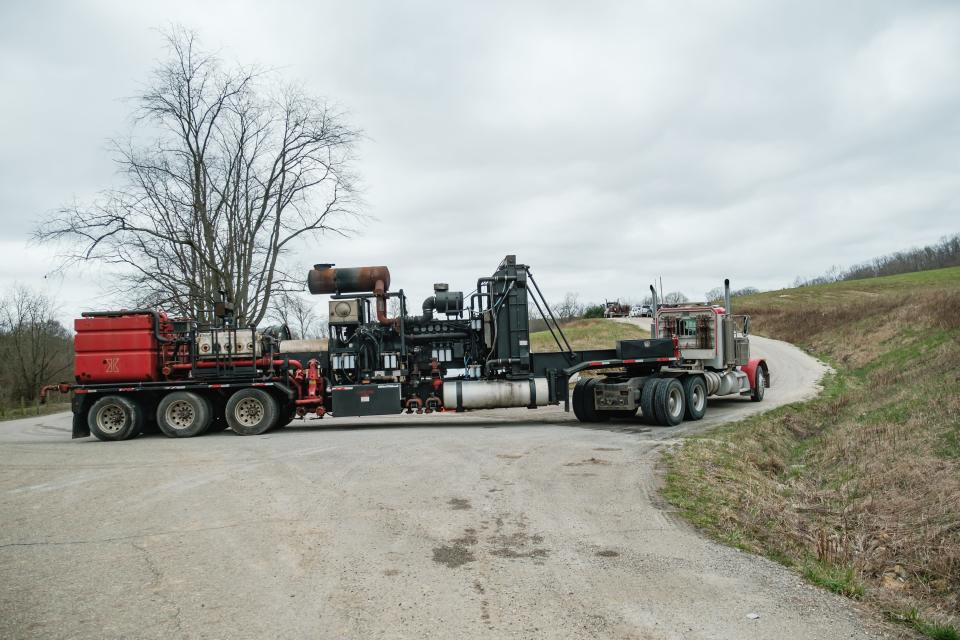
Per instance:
x=583, y=403
x=577, y=400
x=114, y=418
x=669, y=403
x=590, y=403
x=695, y=393
x=251, y=412
x=183, y=414
x=759, y=385
x=646, y=400
x=287, y=415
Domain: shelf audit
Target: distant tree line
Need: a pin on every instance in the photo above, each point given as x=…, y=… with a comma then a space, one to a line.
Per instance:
x=35, y=349
x=715, y=295
x=945, y=253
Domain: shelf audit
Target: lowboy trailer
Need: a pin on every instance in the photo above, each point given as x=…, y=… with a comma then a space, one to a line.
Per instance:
x=136, y=368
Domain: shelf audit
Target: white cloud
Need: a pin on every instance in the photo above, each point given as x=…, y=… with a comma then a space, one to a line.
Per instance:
x=602, y=143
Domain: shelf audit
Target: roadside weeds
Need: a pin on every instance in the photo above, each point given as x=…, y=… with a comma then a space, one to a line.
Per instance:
x=859, y=489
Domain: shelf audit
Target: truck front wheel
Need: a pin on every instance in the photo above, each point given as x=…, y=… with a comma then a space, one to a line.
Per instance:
x=251, y=412
x=183, y=414
x=115, y=418
x=759, y=384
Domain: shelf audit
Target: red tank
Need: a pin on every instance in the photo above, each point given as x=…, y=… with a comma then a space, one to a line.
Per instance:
x=116, y=348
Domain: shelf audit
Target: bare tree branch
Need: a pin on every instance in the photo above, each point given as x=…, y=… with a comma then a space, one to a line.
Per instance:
x=236, y=175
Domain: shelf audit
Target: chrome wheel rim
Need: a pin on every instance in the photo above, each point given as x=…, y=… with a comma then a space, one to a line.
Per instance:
x=761, y=383
x=111, y=418
x=180, y=414
x=675, y=402
x=249, y=412
x=699, y=397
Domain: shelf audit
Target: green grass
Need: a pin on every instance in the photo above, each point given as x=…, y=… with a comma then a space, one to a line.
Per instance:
x=29, y=411
x=935, y=630
x=588, y=334
x=867, y=476
x=851, y=289
x=839, y=579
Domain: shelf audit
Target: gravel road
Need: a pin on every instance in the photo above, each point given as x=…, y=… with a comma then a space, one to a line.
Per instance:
x=500, y=524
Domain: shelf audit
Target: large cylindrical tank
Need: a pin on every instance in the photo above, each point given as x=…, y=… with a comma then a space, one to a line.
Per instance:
x=721, y=383
x=494, y=394
x=327, y=279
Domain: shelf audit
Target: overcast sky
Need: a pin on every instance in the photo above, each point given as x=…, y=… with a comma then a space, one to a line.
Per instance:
x=603, y=143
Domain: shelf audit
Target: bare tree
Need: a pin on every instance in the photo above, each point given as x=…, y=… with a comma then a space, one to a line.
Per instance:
x=568, y=308
x=675, y=297
x=235, y=173
x=299, y=314
x=714, y=295
x=35, y=349
x=394, y=309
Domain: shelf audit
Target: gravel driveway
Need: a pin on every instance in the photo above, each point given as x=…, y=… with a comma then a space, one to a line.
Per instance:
x=497, y=524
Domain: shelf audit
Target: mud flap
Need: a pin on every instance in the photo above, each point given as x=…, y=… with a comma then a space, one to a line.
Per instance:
x=80, y=427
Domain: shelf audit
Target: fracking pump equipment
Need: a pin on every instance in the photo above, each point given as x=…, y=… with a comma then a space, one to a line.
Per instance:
x=134, y=368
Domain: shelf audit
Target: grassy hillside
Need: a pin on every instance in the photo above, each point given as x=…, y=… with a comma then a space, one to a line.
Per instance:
x=859, y=490
x=588, y=334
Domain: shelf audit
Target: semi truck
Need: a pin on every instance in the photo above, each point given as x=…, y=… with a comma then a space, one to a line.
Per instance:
x=138, y=368
x=614, y=309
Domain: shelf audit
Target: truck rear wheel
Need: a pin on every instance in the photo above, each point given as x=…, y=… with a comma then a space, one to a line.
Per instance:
x=646, y=400
x=577, y=400
x=590, y=403
x=668, y=402
x=115, y=418
x=695, y=393
x=183, y=414
x=584, y=405
x=251, y=412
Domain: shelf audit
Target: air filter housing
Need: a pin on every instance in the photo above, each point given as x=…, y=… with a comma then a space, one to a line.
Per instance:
x=345, y=311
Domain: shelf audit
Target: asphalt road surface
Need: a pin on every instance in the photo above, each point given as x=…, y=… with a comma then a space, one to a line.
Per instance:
x=497, y=524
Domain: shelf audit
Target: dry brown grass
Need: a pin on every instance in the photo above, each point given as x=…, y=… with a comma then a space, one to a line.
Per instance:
x=866, y=479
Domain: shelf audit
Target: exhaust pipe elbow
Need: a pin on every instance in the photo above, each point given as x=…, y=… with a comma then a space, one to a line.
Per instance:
x=428, y=306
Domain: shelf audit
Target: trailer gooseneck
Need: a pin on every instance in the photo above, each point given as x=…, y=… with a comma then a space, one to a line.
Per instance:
x=136, y=368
